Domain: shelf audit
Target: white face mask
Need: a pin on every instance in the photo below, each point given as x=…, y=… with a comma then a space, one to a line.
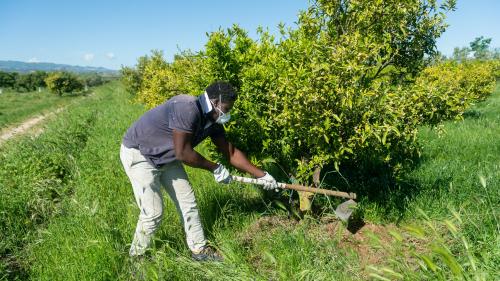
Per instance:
x=223, y=117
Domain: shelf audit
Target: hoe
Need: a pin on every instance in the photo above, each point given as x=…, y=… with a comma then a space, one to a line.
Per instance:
x=343, y=210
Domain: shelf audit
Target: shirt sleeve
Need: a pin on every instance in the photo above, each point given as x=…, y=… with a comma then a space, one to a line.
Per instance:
x=184, y=117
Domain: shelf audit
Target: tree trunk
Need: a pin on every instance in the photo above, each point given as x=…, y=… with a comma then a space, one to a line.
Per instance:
x=305, y=197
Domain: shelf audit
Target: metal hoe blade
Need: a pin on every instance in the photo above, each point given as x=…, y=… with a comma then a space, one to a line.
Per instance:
x=344, y=210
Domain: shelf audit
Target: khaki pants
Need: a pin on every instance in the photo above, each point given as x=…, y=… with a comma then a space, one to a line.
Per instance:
x=146, y=183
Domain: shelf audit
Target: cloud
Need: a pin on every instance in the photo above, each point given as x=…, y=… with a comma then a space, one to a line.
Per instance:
x=88, y=57
x=110, y=55
x=33, y=59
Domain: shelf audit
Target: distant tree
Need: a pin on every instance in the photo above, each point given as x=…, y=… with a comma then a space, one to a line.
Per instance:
x=7, y=79
x=437, y=58
x=38, y=78
x=94, y=80
x=480, y=47
x=24, y=83
x=132, y=77
x=461, y=54
x=63, y=82
x=496, y=54
x=30, y=82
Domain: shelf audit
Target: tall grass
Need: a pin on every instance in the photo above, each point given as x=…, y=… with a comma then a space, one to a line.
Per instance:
x=461, y=170
x=447, y=251
x=35, y=176
x=458, y=205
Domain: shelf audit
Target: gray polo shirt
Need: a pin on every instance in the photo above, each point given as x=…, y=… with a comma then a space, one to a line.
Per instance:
x=152, y=134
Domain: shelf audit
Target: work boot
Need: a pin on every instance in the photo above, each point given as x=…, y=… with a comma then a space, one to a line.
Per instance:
x=207, y=254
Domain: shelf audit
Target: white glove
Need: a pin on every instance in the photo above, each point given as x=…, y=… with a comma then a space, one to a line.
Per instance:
x=270, y=182
x=221, y=174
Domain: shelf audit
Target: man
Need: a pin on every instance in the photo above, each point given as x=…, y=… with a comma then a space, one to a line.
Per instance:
x=155, y=147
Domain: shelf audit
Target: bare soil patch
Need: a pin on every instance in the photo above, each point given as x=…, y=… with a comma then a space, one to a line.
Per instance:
x=373, y=244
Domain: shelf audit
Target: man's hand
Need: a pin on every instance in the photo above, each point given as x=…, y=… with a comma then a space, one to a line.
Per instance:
x=271, y=182
x=221, y=174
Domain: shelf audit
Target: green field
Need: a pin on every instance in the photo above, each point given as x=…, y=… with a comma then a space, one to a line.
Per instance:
x=68, y=211
x=16, y=107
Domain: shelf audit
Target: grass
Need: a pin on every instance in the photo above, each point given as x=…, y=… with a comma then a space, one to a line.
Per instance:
x=68, y=211
x=454, y=191
x=16, y=107
x=456, y=156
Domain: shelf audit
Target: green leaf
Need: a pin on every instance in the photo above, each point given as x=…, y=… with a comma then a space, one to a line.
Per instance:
x=396, y=235
x=337, y=118
x=269, y=257
x=448, y=259
x=379, y=277
x=384, y=137
x=428, y=262
x=327, y=139
x=280, y=204
x=451, y=227
x=482, y=180
x=416, y=231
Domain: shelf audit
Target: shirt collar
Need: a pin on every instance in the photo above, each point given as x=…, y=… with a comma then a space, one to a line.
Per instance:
x=205, y=103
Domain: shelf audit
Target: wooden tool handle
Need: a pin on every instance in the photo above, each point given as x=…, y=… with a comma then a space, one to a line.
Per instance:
x=299, y=187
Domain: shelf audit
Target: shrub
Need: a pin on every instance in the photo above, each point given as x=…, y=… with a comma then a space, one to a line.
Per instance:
x=63, y=82
x=446, y=90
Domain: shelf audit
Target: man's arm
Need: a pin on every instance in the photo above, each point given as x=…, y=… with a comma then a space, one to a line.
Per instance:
x=184, y=152
x=236, y=157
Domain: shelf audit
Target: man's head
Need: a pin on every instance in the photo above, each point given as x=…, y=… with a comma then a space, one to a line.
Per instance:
x=222, y=96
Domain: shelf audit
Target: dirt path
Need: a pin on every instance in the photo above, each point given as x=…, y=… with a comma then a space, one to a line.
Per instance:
x=11, y=132
x=28, y=124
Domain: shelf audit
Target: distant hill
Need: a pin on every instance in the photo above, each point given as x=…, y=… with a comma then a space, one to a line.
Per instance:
x=19, y=66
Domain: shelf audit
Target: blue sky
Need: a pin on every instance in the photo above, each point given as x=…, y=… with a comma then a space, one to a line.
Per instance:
x=114, y=33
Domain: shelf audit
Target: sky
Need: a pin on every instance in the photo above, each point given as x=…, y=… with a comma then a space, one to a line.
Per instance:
x=112, y=33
